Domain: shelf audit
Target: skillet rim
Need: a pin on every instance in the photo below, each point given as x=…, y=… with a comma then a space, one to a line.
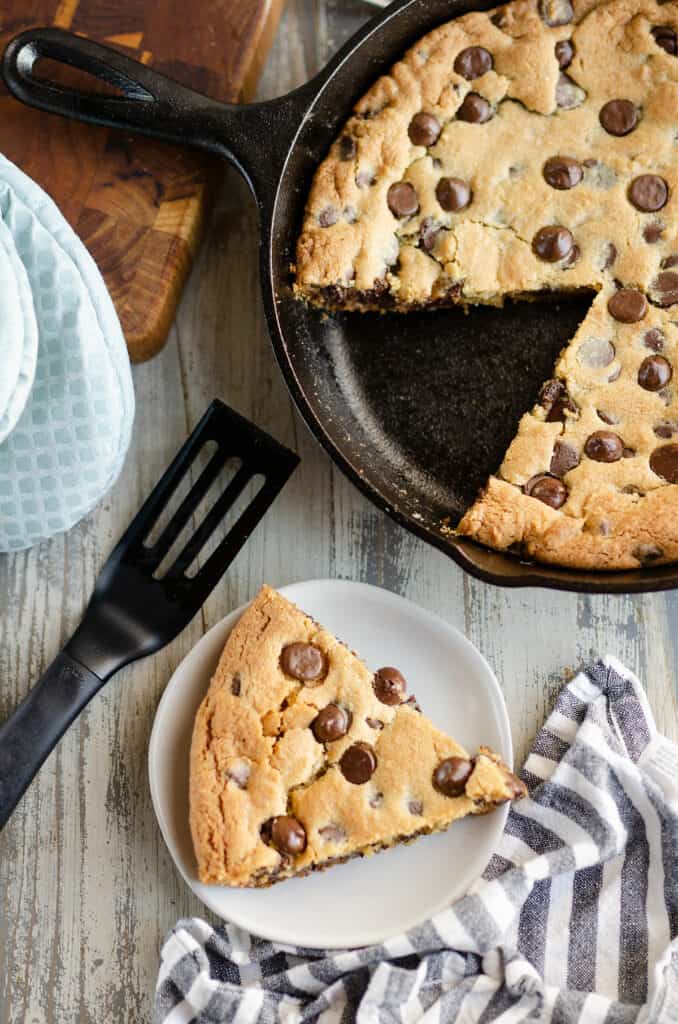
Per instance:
x=513, y=572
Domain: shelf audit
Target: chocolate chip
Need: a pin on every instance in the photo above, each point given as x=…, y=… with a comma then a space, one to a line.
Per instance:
x=390, y=686
x=619, y=117
x=595, y=353
x=648, y=193
x=627, y=305
x=239, y=772
x=287, y=835
x=332, y=833
x=453, y=194
x=304, y=662
x=564, y=458
x=609, y=255
x=424, y=129
x=556, y=12
x=574, y=257
x=547, y=489
x=562, y=172
x=628, y=453
x=665, y=286
x=552, y=243
x=374, y=723
x=358, y=763
x=347, y=147
x=568, y=94
x=330, y=724
x=647, y=553
x=365, y=178
x=664, y=462
x=556, y=401
x=665, y=36
x=655, y=372
x=666, y=430
x=669, y=261
x=451, y=776
x=564, y=53
x=236, y=685
x=604, y=446
x=654, y=339
x=607, y=417
x=416, y=807
x=653, y=232
x=328, y=217
x=475, y=109
x=402, y=199
x=429, y=233
x=473, y=62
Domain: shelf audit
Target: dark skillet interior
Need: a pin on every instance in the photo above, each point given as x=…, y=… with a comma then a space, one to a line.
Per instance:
x=418, y=409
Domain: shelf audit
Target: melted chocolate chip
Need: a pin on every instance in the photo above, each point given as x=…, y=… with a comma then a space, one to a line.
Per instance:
x=347, y=147
x=358, y=763
x=655, y=373
x=473, y=62
x=562, y=172
x=328, y=217
x=475, y=109
x=568, y=94
x=390, y=686
x=555, y=399
x=451, y=776
x=453, y=194
x=424, y=130
x=365, y=178
x=236, y=685
x=654, y=339
x=429, y=232
x=564, y=53
x=552, y=243
x=647, y=553
x=609, y=255
x=374, y=723
x=330, y=724
x=304, y=662
x=604, y=446
x=402, y=199
x=648, y=193
x=618, y=117
x=547, y=489
x=607, y=417
x=565, y=457
x=665, y=286
x=665, y=37
x=665, y=430
x=653, y=232
x=669, y=261
x=595, y=353
x=376, y=800
x=332, y=833
x=287, y=835
x=664, y=462
x=627, y=305
x=416, y=807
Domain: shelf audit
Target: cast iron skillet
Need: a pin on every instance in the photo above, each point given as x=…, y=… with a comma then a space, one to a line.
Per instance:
x=417, y=410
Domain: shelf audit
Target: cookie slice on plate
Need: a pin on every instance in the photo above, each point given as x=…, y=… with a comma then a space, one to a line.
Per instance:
x=302, y=758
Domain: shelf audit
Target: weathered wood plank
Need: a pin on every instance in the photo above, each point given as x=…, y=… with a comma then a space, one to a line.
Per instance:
x=87, y=890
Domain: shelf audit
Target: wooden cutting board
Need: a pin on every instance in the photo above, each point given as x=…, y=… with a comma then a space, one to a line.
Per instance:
x=138, y=205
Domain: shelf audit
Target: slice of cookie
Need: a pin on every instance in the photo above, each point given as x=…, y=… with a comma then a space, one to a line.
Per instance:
x=303, y=758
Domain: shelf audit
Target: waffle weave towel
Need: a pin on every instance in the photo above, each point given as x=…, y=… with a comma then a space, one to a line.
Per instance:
x=574, y=920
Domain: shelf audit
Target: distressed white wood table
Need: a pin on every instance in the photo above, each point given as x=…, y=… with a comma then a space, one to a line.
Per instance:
x=87, y=890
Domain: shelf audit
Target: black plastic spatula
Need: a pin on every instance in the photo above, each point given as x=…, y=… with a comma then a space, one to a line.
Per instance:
x=132, y=612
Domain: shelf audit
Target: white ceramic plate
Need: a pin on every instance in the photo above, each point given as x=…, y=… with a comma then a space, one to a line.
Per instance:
x=366, y=900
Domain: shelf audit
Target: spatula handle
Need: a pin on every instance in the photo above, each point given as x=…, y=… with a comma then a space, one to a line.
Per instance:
x=34, y=729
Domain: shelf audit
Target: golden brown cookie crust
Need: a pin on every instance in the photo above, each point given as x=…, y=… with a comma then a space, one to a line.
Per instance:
x=355, y=251
x=254, y=757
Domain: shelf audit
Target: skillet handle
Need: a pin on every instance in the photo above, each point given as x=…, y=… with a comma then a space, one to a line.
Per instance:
x=149, y=102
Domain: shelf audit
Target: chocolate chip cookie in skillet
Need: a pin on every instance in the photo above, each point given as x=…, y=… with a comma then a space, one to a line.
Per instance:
x=524, y=150
x=302, y=758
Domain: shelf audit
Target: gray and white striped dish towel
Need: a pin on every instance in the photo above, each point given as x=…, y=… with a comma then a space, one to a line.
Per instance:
x=574, y=920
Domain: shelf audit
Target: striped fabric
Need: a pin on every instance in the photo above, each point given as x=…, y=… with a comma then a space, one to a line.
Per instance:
x=574, y=920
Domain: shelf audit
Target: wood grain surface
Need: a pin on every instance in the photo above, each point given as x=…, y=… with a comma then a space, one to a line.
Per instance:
x=138, y=205
x=87, y=889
